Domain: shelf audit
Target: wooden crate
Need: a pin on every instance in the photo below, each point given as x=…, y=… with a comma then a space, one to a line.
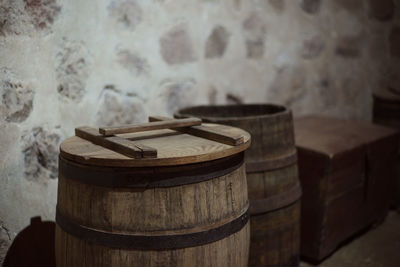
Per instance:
x=386, y=111
x=346, y=172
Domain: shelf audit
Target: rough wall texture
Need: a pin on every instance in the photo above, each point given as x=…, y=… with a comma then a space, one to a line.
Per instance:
x=70, y=63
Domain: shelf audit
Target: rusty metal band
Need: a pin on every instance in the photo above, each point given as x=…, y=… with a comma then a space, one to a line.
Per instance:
x=271, y=164
x=259, y=206
x=150, y=242
x=149, y=177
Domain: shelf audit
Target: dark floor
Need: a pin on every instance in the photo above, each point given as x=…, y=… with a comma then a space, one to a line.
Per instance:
x=379, y=247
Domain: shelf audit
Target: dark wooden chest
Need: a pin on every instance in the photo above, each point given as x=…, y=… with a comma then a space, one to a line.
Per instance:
x=346, y=172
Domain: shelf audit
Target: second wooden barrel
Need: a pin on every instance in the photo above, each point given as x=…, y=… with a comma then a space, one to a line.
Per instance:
x=188, y=206
x=272, y=175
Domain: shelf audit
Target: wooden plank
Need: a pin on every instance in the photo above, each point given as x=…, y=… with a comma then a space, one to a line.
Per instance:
x=205, y=132
x=147, y=152
x=156, y=125
x=115, y=143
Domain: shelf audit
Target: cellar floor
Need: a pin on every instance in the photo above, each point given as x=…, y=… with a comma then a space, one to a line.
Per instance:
x=378, y=247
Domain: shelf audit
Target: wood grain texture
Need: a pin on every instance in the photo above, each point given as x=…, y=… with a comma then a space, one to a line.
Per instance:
x=185, y=209
x=206, y=132
x=274, y=234
x=231, y=251
x=150, y=126
x=113, y=143
x=279, y=227
x=173, y=148
x=346, y=173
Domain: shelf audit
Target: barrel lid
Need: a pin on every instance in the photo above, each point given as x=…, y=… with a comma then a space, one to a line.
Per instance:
x=173, y=148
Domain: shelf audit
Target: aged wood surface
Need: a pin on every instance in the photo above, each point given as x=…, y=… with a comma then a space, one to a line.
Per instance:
x=206, y=132
x=116, y=143
x=386, y=112
x=166, y=211
x=346, y=173
x=272, y=177
x=173, y=148
x=231, y=251
x=192, y=211
x=155, y=125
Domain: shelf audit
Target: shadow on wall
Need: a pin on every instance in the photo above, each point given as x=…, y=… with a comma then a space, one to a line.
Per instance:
x=33, y=246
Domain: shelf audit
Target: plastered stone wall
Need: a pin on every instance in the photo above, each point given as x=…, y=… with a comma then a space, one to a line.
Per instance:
x=69, y=63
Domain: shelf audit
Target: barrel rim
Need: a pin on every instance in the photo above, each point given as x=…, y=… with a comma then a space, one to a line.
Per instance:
x=148, y=177
x=285, y=111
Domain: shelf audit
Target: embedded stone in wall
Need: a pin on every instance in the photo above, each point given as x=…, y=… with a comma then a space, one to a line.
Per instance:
x=72, y=69
x=312, y=47
x=177, y=94
x=349, y=46
x=310, y=6
x=126, y=14
x=254, y=31
x=16, y=97
x=42, y=12
x=381, y=9
x=40, y=148
x=116, y=108
x=13, y=18
x=132, y=62
x=217, y=42
x=394, y=41
x=176, y=46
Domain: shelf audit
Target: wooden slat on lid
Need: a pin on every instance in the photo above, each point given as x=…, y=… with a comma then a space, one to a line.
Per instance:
x=173, y=123
x=203, y=131
x=116, y=143
x=173, y=148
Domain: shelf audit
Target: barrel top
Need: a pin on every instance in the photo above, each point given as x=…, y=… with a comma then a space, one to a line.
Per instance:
x=217, y=113
x=173, y=148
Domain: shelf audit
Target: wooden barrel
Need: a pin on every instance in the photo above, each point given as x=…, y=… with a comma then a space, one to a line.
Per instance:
x=272, y=175
x=386, y=111
x=186, y=207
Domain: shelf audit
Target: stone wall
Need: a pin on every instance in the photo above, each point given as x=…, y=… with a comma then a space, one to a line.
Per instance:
x=69, y=63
